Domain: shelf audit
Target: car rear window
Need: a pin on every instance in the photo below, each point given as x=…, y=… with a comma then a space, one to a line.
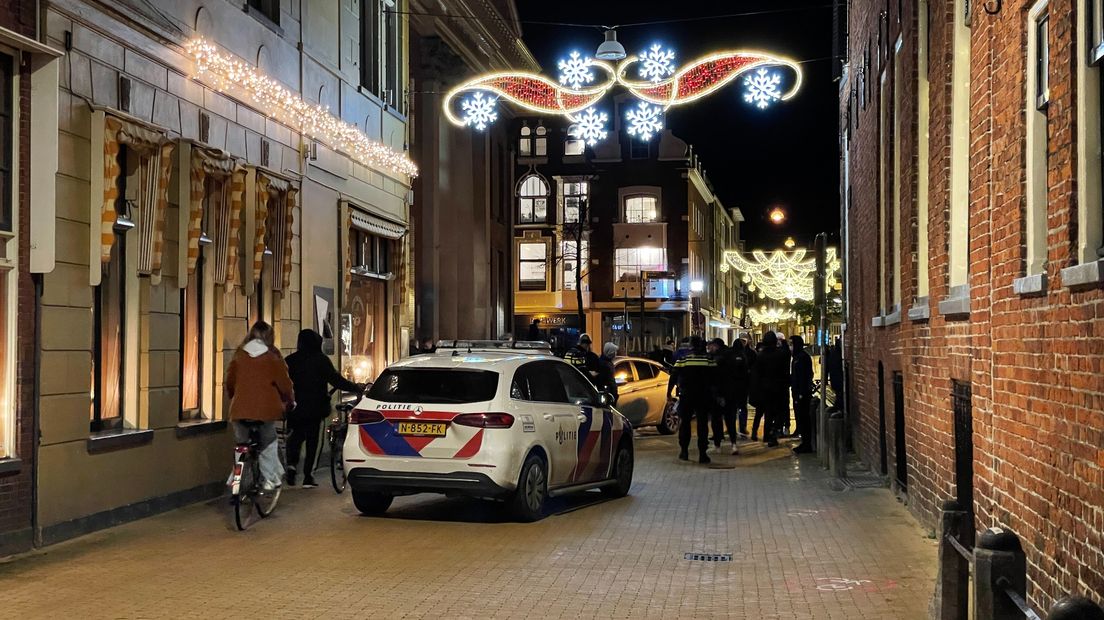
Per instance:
x=434, y=385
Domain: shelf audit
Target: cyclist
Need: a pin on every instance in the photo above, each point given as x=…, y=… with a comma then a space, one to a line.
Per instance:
x=311, y=370
x=260, y=392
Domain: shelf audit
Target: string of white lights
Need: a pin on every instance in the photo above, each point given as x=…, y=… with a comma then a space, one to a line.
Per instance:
x=226, y=73
x=770, y=316
x=783, y=276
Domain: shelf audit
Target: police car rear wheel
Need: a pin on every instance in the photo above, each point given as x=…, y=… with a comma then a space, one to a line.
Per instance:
x=369, y=503
x=532, y=490
x=622, y=472
x=669, y=423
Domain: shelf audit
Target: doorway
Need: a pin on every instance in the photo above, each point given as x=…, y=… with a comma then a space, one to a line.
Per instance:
x=964, y=448
x=899, y=430
x=882, y=420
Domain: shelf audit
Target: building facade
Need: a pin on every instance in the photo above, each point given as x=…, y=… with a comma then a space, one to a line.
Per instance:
x=462, y=211
x=972, y=197
x=631, y=227
x=200, y=188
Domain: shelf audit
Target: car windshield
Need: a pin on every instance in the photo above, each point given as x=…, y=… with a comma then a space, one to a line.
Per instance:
x=434, y=385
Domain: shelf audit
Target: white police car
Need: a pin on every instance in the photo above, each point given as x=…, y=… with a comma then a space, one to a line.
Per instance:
x=504, y=421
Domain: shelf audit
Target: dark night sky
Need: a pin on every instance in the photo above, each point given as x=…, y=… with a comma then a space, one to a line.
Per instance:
x=785, y=155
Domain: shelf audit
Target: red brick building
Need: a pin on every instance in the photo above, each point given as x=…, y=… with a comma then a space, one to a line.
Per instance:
x=25, y=65
x=973, y=209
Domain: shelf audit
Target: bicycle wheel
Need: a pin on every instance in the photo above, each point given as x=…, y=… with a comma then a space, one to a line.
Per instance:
x=244, y=500
x=265, y=501
x=337, y=465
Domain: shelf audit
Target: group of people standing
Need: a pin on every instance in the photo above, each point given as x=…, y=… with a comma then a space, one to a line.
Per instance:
x=717, y=382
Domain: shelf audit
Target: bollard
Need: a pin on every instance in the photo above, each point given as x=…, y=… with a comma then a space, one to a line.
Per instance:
x=1075, y=608
x=835, y=445
x=999, y=563
x=820, y=420
x=952, y=588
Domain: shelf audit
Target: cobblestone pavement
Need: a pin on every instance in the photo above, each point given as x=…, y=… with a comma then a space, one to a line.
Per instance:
x=800, y=550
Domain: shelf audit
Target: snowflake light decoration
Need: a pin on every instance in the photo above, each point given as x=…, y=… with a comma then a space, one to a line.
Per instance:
x=657, y=63
x=590, y=126
x=645, y=120
x=762, y=88
x=479, y=111
x=575, y=71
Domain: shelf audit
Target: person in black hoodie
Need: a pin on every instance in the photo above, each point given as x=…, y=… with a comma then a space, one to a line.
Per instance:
x=772, y=375
x=312, y=373
x=801, y=385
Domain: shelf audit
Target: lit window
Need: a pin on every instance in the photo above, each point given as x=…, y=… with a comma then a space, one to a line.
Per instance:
x=574, y=195
x=533, y=200
x=1038, y=93
x=541, y=149
x=631, y=261
x=572, y=259
x=923, y=121
x=959, y=218
x=525, y=141
x=8, y=255
x=533, y=266
x=194, y=300
x=108, y=367
x=641, y=209
x=574, y=146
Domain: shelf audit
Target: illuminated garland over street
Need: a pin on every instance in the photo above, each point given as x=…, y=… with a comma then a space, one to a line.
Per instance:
x=226, y=73
x=783, y=276
x=584, y=81
x=770, y=316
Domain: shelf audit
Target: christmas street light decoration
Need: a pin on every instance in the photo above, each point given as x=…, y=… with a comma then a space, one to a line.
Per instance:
x=590, y=126
x=583, y=81
x=770, y=316
x=226, y=73
x=783, y=276
x=479, y=111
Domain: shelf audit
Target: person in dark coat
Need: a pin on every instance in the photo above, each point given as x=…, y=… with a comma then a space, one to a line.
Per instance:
x=773, y=378
x=695, y=374
x=739, y=375
x=581, y=357
x=729, y=365
x=784, y=421
x=605, y=381
x=801, y=385
x=534, y=330
x=312, y=373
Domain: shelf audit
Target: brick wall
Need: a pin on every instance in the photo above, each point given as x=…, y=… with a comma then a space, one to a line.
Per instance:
x=1035, y=363
x=16, y=486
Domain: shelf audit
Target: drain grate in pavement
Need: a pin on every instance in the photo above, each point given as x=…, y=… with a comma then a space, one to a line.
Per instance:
x=859, y=480
x=707, y=557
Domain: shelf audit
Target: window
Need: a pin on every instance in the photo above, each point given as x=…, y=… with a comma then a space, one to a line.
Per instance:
x=645, y=371
x=574, y=194
x=525, y=141
x=110, y=337
x=631, y=261
x=641, y=210
x=897, y=128
x=1090, y=50
x=957, y=259
x=533, y=200
x=541, y=145
x=392, y=54
x=533, y=266
x=1037, y=96
x=381, y=48
x=371, y=254
x=8, y=255
x=574, y=146
x=434, y=386
x=572, y=259
x=579, y=390
x=622, y=373
x=923, y=120
x=538, y=382
x=270, y=9
x=369, y=44
x=640, y=149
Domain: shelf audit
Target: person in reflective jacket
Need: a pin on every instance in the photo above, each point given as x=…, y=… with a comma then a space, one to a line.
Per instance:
x=695, y=374
x=581, y=357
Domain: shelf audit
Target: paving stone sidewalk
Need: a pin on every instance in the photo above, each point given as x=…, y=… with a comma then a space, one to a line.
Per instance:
x=800, y=549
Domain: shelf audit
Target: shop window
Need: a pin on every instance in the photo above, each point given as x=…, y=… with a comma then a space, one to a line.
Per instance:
x=574, y=260
x=533, y=266
x=110, y=339
x=574, y=196
x=533, y=200
x=269, y=9
x=641, y=209
x=541, y=143
x=1038, y=96
x=8, y=256
x=371, y=254
x=197, y=310
x=525, y=141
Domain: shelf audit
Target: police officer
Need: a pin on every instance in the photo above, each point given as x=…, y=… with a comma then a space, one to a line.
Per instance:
x=581, y=357
x=694, y=374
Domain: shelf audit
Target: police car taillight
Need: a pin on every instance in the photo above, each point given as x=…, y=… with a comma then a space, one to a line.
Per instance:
x=364, y=416
x=485, y=420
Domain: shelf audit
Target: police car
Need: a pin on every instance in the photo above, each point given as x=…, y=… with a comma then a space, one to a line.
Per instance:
x=497, y=420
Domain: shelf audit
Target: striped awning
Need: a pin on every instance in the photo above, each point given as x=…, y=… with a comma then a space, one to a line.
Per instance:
x=374, y=224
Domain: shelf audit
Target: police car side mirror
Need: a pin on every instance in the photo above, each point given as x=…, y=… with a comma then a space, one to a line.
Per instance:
x=605, y=399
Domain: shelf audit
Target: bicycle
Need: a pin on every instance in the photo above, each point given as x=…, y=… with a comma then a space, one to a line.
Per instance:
x=336, y=432
x=246, y=491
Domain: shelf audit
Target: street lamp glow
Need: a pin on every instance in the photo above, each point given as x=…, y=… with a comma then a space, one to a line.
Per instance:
x=697, y=286
x=777, y=215
x=790, y=243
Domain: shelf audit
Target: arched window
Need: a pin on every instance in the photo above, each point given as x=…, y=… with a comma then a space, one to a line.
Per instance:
x=525, y=141
x=641, y=209
x=541, y=149
x=532, y=200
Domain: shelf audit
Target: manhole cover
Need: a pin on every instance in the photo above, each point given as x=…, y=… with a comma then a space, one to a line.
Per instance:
x=708, y=557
